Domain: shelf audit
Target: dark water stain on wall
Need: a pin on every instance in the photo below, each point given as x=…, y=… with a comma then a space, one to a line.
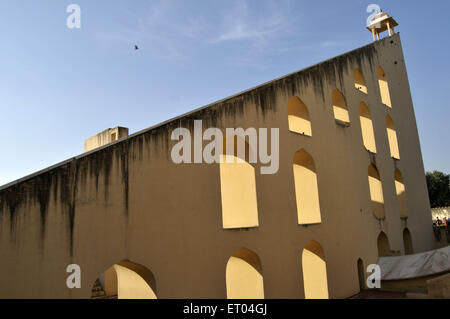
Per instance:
x=123, y=152
x=331, y=72
x=68, y=176
x=12, y=199
x=42, y=189
x=100, y=163
x=140, y=142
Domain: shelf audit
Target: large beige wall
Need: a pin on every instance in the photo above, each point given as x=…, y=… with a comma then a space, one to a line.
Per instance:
x=129, y=201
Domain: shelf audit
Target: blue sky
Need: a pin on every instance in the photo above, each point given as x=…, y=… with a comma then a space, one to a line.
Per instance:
x=59, y=86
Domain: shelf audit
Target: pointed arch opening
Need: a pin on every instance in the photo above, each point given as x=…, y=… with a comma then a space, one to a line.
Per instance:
x=384, y=87
x=340, y=108
x=244, y=279
x=238, y=187
x=392, y=137
x=361, y=275
x=407, y=242
x=367, y=128
x=306, y=189
x=360, y=82
x=376, y=192
x=298, y=117
x=125, y=280
x=315, y=282
x=383, y=245
x=401, y=193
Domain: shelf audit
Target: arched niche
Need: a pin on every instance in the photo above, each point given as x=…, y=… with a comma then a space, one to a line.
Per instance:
x=315, y=281
x=125, y=280
x=340, y=108
x=360, y=82
x=401, y=193
x=384, y=87
x=376, y=192
x=306, y=188
x=392, y=137
x=407, y=242
x=238, y=186
x=367, y=128
x=298, y=117
x=383, y=245
x=244, y=279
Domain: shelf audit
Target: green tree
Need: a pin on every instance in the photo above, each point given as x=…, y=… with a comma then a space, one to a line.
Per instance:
x=438, y=185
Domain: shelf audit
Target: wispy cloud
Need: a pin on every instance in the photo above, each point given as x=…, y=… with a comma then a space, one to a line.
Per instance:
x=239, y=24
x=257, y=29
x=172, y=30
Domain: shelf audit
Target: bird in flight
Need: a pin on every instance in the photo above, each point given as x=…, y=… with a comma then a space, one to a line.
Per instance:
x=136, y=47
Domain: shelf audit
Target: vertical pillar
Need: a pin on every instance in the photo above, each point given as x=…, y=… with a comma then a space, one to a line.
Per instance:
x=389, y=28
x=373, y=34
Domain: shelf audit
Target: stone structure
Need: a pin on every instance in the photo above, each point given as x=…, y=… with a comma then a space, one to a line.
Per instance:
x=350, y=188
x=106, y=137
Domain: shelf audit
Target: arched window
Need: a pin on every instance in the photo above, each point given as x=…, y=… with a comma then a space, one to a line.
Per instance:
x=383, y=245
x=306, y=189
x=384, y=87
x=298, y=117
x=125, y=280
x=407, y=242
x=367, y=128
x=376, y=192
x=392, y=137
x=315, y=282
x=244, y=279
x=238, y=188
x=400, y=190
x=340, y=107
x=360, y=83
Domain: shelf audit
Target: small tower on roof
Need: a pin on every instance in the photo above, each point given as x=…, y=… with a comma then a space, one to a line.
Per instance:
x=380, y=23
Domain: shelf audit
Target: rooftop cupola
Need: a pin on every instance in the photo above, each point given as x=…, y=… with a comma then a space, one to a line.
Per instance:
x=380, y=23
